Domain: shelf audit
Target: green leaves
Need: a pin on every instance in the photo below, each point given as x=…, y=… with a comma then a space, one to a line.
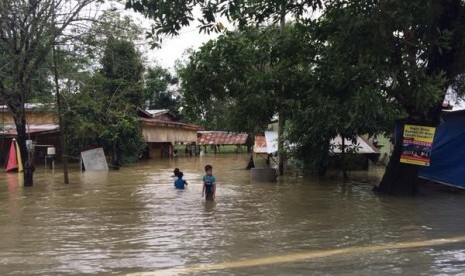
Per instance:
x=159, y=92
x=103, y=111
x=244, y=73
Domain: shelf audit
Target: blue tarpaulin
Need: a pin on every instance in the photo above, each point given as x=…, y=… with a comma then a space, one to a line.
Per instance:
x=448, y=152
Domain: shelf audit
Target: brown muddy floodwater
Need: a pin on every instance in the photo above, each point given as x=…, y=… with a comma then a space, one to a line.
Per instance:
x=133, y=222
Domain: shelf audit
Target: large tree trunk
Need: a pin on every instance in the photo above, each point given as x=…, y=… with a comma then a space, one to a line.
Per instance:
x=28, y=170
x=345, y=174
x=281, y=152
x=399, y=179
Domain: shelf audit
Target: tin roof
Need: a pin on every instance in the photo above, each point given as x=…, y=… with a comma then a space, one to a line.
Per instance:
x=170, y=124
x=10, y=129
x=221, y=138
x=33, y=107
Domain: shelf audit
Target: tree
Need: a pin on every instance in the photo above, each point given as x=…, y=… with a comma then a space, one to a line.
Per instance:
x=159, y=93
x=235, y=82
x=123, y=70
x=28, y=32
x=218, y=81
x=104, y=110
x=109, y=25
x=419, y=49
x=171, y=16
x=344, y=98
x=101, y=77
x=431, y=52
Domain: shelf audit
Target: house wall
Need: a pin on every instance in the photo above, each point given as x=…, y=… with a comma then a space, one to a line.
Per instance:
x=160, y=150
x=32, y=117
x=161, y=134
x=161, y=139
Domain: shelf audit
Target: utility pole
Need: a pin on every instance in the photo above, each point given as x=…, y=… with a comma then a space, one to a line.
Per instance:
x=282, y=94
x=64, y=148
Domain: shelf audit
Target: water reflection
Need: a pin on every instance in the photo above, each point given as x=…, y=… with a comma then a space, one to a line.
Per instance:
x=133, y=220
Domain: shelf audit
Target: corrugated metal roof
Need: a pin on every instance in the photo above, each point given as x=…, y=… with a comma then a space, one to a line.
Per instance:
x=221, y=138
x=156, y=112
x=156, y=122
x=33, y=106
x=31, y=129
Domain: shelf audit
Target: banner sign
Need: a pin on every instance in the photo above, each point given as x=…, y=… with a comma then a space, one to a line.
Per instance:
x=417, y=144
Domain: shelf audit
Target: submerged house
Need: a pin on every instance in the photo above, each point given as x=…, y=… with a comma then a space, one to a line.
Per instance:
x=42, y=128
x=363, y=148
x=162, y=131
x=215, y=139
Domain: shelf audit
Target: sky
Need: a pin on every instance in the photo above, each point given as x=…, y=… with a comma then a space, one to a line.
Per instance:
x=172, y=48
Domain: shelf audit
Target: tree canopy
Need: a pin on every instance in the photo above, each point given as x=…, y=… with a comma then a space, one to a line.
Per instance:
x=103, y=110
x=235, y=82
x=372, y=55
x=161, y=90
x=29, y=30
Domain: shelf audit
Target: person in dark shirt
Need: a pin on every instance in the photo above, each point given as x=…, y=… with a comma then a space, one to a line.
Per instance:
x=180, y=183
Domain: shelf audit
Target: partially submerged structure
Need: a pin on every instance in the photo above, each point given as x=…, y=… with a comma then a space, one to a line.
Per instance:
x=162, y=131
x=266, y=146
x=42, y=128
x=215, y=139
x=267, y=143
x=361, y=150
x=447, y=163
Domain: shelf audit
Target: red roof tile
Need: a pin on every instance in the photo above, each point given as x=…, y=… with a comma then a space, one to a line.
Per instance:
x=221, y=138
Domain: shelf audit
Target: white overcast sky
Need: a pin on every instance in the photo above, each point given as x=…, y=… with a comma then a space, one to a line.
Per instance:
x=172, y=48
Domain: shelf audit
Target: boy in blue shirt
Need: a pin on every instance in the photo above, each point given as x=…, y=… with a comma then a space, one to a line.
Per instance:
x=209, y=184
x=180, y=183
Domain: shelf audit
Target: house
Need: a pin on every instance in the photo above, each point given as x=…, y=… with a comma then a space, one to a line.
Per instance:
x=215, y=139
x=162, y=131
x=42, y=128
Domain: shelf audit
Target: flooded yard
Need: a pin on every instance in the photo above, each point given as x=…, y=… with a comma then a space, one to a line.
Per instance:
x=133, y=222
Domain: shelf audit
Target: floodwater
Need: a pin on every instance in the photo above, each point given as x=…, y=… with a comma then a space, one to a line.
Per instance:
x=133, y=222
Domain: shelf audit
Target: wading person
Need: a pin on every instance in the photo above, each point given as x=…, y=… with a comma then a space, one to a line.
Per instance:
x=175, y=172
x=180, y=183
x=209, y=184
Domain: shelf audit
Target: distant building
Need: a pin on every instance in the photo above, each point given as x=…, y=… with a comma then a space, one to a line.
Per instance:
x=215, y=139
x=162, y=131
x=42, y=127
